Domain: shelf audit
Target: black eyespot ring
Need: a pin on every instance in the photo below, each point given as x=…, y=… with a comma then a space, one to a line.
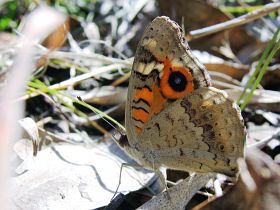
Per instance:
x=177, y=81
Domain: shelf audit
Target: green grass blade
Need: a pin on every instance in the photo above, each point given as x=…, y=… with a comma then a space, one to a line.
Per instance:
x=262, y=72
x=260, y=63
x=42, y=87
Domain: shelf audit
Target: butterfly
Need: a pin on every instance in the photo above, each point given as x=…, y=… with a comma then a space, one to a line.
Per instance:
x=174, y=117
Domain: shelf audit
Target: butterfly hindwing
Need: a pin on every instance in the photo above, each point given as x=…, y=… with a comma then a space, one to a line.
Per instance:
x=197, y=134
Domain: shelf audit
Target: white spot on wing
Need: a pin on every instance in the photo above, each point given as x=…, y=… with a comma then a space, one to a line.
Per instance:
x=149, y=67
x=140, y=67
x=150, y=44
x=176, y=62
x=159, y=66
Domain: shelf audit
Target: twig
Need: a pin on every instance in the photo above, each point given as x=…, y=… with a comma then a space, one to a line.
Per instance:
x=260, y=144
x=225, y=77
x=47, y=135
x=128, y=36
x=136, y=9
x=92, y=56
x=246, y=176
x=121, y=79
x=234, y=22
x=226, y=85
x=106, y=43
x=75, y=80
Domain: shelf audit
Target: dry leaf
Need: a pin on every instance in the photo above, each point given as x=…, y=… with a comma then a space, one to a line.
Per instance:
x=73, y=177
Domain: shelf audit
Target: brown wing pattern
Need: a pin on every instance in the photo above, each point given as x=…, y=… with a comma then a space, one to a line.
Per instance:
x=203, y=131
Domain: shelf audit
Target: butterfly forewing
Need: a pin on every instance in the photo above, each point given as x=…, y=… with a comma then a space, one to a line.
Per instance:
x=164, y=70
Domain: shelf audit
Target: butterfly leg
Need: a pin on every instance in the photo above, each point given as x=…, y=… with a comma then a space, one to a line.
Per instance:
x=120, y=175
x=135, y=166
x=119, y=183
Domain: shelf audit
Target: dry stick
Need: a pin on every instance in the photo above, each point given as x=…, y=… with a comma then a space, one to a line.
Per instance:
x=52, y=137
x=75, y=80
x=92, y=57
x=121, y=79
x=234, y=22
x=106, y=44
x=179, y=195
x=260, y=92
x=272, y=95
x=136, y=9
x=226, y=85
x=260, y=144
x=225, y=77
x=128, y=36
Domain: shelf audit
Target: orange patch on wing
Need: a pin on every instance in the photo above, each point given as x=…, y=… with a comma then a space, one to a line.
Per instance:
x=156, y=106
x=157, y=97
x=144, y=94
x=140, y=114
x=165, y=86
x=158, y=100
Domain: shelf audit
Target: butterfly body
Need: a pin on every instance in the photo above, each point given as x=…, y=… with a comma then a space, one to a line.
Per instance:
x=174, y=118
